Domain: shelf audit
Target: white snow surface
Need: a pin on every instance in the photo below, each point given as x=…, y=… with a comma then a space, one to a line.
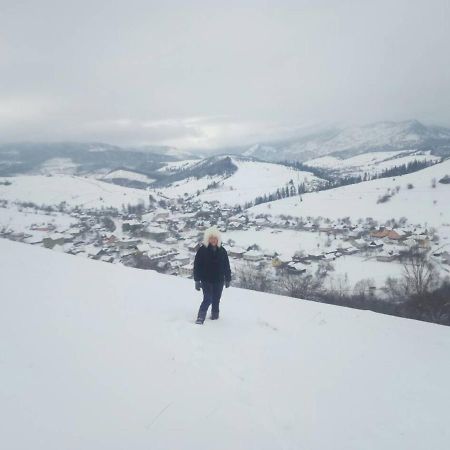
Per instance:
x=371, y=162
x=128, y=175
x=422, y=204
x=97, y=356
x=75, y=191
x=251, y=179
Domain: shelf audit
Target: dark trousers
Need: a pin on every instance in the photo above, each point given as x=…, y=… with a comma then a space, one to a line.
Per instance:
x=211, y=296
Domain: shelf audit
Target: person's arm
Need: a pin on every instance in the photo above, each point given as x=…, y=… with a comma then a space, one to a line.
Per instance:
x=198, y=265
x=227, y=270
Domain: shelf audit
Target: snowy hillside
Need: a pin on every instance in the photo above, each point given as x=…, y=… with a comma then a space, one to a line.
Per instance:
x=98, y=356
x=381, y=136
x=420, y=202
x=75, y=191
x=371, y=163
x=246, y=180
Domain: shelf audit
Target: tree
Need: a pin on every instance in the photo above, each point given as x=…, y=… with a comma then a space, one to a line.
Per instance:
x=300, y=285
x=254, y=278
x=419, y=274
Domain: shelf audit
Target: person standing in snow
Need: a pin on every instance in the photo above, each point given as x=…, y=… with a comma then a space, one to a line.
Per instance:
x=211, y=273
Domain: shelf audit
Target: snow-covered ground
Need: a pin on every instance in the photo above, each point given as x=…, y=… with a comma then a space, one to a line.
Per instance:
x=251, y=179
x=128, y=175
x=19, y=220
x=422, y=204
x=100, y=356
x=371, y=163
x=175, y=166
x=75, y=191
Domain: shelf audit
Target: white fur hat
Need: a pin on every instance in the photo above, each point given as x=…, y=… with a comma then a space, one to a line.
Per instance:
x=212, y=232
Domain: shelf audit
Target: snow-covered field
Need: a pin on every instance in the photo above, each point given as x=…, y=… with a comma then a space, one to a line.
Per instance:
x=128, y=175
x=98, y=356
x=75, y=191
x=371, y=163
x=422, y=204
x=19, y=220
x=252, y=179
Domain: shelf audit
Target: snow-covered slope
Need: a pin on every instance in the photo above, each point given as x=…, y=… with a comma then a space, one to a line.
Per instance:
x=128, y=175
x=371, y=163
x=420, y=204
x=75, y=191
x=248, y=180
x=380, y=136
x=97, y=356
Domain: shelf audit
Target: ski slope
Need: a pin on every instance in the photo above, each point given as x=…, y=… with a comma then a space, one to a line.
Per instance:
x=75, y=191
x=421, y=204
x=99, y=356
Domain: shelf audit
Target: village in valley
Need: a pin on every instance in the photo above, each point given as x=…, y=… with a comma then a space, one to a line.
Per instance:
x=165, y=234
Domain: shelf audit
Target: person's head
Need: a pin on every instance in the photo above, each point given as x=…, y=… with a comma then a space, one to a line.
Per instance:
x=212, y=237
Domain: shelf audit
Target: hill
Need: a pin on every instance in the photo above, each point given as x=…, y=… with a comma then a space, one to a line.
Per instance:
x=351, y=141
x=79, y=158
x=100, y=356
x=73, y=190
x=417, y=199
x=231, y=179
x=371, y=163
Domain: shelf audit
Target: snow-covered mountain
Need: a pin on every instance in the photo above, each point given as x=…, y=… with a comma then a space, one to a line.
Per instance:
x=418, y=196
x=346, y=142
x=101, y=356
x=77, y=158
x=231, y=179
x=371, y=163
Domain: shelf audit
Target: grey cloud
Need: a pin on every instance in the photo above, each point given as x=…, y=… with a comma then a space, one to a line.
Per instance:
x=205, y=74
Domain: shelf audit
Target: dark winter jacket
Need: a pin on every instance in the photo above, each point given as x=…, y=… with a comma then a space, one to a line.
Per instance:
x=212, y=265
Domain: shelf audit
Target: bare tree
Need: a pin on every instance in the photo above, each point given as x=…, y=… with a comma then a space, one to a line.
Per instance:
x=300, y=285
x=419, y=274
x=254, y=278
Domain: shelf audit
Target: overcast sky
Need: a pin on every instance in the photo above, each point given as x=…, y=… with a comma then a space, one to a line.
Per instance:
x=208, y=74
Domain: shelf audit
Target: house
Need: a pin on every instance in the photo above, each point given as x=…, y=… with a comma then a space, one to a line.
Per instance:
x=171, y=240
x=331, y=256
x=93, y=252
x=236, y=252
x=281, y=261
x=156, y=233
x=182, y=259
x=296, y=267
x=52, y=240
x=348, y=250
x=34, y=240
x=193, y=246
x=388, y=255
x=374, y=244
x=315, y=255
x=253, y=255
x=186, y=270
x=107, y=258
x=393, y=235
x=128, y=243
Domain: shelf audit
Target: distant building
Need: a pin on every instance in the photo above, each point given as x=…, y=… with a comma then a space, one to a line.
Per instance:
x=253, y=255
